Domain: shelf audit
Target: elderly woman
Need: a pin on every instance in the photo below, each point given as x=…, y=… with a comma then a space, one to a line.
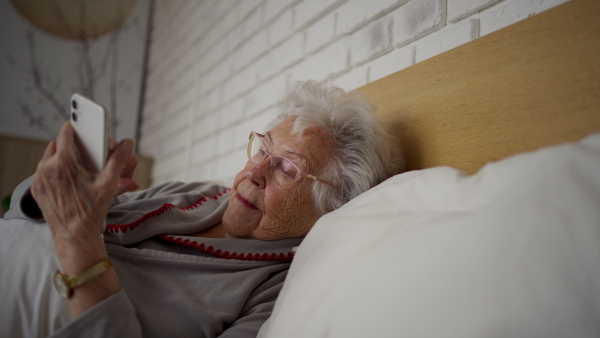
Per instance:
x=200, y=259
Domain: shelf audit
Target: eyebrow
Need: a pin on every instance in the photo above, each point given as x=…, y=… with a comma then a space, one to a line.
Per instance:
x=302, y=157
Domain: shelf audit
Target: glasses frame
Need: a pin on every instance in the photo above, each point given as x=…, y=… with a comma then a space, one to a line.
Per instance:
x=272, y=157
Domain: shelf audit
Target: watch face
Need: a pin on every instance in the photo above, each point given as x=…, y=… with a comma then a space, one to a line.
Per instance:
x=61, y=285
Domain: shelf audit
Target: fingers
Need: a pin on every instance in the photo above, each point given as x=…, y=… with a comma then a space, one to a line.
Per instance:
x=112, y=143
x=125, y=185
x=53, y=145
x=125, y=182
x=130, y=164
x=111, y=146
x=50, y=150
x=65, y=140
x=115, y=163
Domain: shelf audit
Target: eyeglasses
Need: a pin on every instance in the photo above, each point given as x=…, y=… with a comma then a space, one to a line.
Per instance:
x=285, y=171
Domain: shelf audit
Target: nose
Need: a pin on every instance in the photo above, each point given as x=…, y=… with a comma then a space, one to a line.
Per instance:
x=258, y=172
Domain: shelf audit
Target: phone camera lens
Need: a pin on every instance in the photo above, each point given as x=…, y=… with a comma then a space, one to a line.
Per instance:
x=74, y=116
x=74, y=104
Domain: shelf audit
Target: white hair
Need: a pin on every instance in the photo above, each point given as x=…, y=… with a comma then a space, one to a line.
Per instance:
x=365, y=153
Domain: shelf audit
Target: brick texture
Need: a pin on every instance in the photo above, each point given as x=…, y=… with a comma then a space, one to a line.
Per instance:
x=458, y=9
x=216, y=68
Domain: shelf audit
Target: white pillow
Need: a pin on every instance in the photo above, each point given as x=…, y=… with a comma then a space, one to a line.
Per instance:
x=513, y=251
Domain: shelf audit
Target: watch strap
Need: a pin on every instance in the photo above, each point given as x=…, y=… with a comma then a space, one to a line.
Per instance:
x=90, y=273
x=65, y=284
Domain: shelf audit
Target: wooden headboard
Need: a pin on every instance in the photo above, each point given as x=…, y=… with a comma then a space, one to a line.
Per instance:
x=532, y=84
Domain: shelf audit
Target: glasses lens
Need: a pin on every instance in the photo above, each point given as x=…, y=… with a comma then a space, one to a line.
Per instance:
x=285, y=171
x=256, y=149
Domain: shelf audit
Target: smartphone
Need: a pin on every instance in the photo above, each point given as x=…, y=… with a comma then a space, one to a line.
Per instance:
x=91, y=123
x=92, y=128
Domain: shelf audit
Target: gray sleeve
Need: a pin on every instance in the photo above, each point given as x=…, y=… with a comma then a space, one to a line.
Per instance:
x=167, y=189
x=113, y=317
x=258, y=309
x=22, y=204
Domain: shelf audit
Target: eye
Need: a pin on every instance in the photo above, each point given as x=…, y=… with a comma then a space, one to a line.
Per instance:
x=288, y=169
x=263, y=150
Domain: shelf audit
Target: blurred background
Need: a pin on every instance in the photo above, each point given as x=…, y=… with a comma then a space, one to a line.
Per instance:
x=188, y=79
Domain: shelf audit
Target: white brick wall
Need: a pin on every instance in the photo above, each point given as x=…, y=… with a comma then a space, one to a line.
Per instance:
x=217, y=67
x=417, y=19
x=458, y=9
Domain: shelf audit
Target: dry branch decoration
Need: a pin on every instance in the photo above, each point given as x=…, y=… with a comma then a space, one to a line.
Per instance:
x=84, y=22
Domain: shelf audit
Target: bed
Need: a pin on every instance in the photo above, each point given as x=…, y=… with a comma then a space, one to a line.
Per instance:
x=494, y=230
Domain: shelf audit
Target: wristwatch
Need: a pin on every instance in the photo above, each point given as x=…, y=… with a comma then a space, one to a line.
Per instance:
x=65, y=284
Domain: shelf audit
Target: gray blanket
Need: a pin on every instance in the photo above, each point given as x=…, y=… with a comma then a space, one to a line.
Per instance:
x=172, y=284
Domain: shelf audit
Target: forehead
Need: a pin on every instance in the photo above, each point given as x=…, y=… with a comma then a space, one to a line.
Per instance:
x=313, y=145
x=314, y=135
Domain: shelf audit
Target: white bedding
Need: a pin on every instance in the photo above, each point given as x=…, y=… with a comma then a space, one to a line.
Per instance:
x=513, y=251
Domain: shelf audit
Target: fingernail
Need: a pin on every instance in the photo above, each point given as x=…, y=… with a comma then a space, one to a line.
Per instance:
x=127, y=144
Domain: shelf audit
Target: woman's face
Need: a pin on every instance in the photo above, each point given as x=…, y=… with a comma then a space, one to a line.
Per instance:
x=259, y=206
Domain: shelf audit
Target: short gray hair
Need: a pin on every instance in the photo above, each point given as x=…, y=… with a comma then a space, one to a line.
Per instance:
x=365, y=153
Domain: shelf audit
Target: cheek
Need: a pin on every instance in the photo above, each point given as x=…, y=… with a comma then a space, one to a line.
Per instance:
x=282, y=201
x=288, y=214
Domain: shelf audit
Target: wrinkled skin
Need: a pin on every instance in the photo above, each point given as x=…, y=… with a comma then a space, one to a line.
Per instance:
x=74, y=203
x=259, y=207
x=72, y=199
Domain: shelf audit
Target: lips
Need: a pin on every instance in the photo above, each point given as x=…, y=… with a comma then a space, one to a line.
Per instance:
x=245, y=202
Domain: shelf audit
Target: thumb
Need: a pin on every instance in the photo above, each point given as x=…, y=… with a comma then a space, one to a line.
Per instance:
x=115, y=163
x=125, y=185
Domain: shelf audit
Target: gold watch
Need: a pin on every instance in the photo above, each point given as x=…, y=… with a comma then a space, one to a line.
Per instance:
x=65, y=284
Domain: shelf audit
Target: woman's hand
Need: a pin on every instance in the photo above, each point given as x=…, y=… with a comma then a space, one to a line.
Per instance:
x=74, y=203
x=126, y=182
